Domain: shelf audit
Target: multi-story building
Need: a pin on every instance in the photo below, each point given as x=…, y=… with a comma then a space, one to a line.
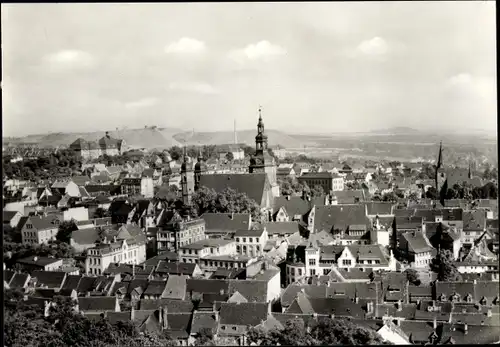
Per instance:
x=327, y=180
x=138, y=186
x=94, y=149
x=196, y=251
x=178, y=231
x=119, y=250
x=474, y=226
x=251, y=242
x=314, y=260
x=38, y=229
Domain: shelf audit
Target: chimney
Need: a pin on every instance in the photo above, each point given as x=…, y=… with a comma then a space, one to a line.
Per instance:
x=399, y=305
x=466, y=328
x=434, y=323
x=114, y=238
x=133, y=270
x=489, y=313
x=356, y=300
x=288, y=197
x=370, y=307
x=132, y=313
x=35, y=259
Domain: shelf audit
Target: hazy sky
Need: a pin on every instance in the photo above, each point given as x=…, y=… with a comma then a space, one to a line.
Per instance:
x=326, y=67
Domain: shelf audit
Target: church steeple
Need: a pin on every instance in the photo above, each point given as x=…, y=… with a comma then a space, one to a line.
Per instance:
x=262, y=161
x=199, y=168
x=187, y=179
x=261, y=138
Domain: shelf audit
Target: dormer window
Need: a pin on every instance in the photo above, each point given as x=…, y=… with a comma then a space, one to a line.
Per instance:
x=442, y=297
x=468, y=298
x=484, y=301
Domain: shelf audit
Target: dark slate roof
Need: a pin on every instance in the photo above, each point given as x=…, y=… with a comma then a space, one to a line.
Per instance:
x=51, y=279
x=282, y=228
x=8, y=215
x=253, y=185
x=296, y=205
x=474, y=220
x=137, y=283
x=172, y=305
x=178, y=324
x=290, y=293
x=39, y=261
x=8, y=275
x=246, y=314
x=155, y=287
x=476, y=334
x=164, y=256
x=207, y=286
x=175, y=268
x=450, y=288
x=226, y=221
x=253, y=291
x=19, y=280
x=41, y=223
x=339, y=216
x=97, y=303
x=204, y=320
x=85, y=284
x=417, y=242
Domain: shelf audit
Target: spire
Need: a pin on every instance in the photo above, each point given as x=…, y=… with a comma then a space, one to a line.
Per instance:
x=235, y=134
x=439, y=163
x=470, y=173
x=260, y=125
x=200, y=154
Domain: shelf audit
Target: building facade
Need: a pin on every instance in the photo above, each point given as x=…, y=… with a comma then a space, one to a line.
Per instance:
x=328, y=181
x=94, y=149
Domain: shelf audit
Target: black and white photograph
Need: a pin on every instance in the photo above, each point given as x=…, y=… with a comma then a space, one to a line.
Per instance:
x=250, y=173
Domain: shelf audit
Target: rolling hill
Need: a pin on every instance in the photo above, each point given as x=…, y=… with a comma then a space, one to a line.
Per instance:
x=245, y=136
x=134, y=138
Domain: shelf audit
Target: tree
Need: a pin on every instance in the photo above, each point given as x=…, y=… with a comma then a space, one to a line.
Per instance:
x=412, y=276
x=431, y=193
x=176, y=152
x=390, y=197
x=317, y=191
x=65, y=230
x=100, y=213
x=325, y=332
x=229, y=156
x=443, y=264
x=227, y=201
x=25, y=325
x=248, y=151
x=205, y=338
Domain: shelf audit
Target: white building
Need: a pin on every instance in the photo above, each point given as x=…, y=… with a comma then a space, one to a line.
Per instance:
x=119, y=251
x=251, y=242
x=77, y=213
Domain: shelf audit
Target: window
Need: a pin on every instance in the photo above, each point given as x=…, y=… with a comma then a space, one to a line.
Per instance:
x=325, y=271
x=244, y=239
x=257, y=248
x=257, y=239
x=250, y=240
x=299, y=271
x=346, y=262
x=183, y=260
x=237, y=239
x=312, y=262
x=312, y=272
x=190, y=251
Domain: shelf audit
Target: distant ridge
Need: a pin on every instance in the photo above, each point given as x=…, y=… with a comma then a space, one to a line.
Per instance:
x=395, y=131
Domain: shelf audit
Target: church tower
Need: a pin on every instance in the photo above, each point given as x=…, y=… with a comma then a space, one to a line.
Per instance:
x=199, y=168
x=440, y=172
x=187, y=179
x=262, y=161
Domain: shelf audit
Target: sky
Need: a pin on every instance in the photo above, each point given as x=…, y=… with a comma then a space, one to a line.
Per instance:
x=313, y=67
